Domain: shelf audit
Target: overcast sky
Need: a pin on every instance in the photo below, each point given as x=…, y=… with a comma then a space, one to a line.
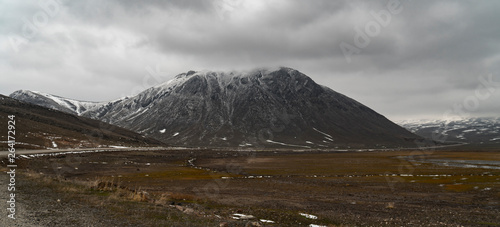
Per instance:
x=404, y=59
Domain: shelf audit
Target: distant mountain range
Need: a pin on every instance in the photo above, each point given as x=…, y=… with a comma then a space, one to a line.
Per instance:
x=266, y=107
x=468, y=130
x=38, y=127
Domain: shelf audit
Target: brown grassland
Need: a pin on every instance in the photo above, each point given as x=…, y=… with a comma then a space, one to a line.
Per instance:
x=206, y=187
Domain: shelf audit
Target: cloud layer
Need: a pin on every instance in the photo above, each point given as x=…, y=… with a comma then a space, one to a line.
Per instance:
x=419, y=60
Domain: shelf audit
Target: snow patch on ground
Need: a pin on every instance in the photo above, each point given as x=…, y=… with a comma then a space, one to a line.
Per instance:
x=310, y=216
x=242, y=216
x=163, y=131
x=176, y=134
x=266, y=221
x=54, y=144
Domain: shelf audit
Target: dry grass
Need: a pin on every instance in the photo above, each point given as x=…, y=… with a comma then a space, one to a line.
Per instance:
x=458, y=187
x=342, y=178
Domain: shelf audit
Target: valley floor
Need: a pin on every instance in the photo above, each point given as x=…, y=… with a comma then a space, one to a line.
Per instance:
x=253, y=188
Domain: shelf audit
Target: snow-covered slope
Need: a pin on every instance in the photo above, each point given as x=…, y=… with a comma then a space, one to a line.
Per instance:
x=470, y=130
x=263, y=107
x=54, y=102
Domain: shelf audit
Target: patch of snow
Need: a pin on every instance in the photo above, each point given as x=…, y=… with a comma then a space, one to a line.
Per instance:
x=224, y=138
x=309, y=142
x=266, y=221
x=310, y=216
x=242, y=216
x=163, y=131
x=327, y=135
x=54, y=144
x=176, y=134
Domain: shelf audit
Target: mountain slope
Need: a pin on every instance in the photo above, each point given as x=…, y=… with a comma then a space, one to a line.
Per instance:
x=468, y=130
x=39, y=128
x=280, y=107
x=54, y=102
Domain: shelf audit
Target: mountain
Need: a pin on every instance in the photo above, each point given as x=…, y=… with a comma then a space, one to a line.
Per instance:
x=38, y=127
x=467, y=130
x=266, y=107
x=54, y=102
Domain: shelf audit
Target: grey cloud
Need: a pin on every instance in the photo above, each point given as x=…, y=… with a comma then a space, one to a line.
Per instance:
x=428, y=58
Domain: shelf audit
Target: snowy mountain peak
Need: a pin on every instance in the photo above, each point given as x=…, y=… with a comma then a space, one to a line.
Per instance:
x=233, y=79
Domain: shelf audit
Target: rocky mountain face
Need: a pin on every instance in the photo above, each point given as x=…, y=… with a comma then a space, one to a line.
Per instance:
x=270, y=108
x=467, y=130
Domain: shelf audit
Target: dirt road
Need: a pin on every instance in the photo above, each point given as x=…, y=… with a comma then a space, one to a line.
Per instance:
x=29, y=152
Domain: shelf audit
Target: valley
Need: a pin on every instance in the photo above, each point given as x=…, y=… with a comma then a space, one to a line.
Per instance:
x=277, y=187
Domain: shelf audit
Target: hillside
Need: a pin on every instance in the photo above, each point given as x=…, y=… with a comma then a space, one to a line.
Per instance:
x=42, y=128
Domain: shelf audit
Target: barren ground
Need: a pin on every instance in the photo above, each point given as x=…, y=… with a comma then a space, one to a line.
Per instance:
x=207, y=187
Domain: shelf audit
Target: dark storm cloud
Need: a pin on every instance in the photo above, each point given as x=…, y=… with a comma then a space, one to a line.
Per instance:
x=428, y=57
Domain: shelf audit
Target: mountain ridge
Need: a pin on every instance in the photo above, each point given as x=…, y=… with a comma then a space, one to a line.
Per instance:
x=261, y=107
x=55, y=102
x=477, y=130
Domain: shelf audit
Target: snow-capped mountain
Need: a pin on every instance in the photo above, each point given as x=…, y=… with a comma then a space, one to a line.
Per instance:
x=265, y=107
x=469, y=130
x=54, y=102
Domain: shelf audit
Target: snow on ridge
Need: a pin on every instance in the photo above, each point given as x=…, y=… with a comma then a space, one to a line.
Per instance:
x=222, y=75
x=75, y=105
